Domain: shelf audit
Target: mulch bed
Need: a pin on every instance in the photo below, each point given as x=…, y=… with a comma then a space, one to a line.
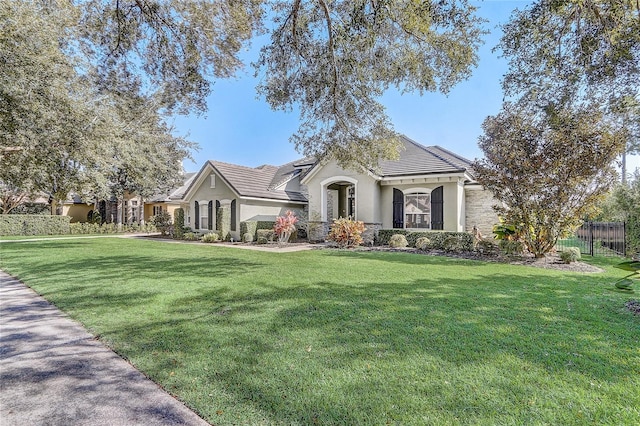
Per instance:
x=551, y=261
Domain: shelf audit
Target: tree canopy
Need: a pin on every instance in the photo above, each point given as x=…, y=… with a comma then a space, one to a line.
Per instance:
x=331, y=60
x=577, y=52
x=61, y=130
x=548, y=169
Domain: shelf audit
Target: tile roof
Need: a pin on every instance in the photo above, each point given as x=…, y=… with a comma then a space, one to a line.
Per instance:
x=259, y=182
x=417, y=159
x=176, y=193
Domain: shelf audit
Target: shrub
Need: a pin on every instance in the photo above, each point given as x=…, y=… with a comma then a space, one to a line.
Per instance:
x=398, y=241
x=454, y=244
x=346, y=232
x=34, y=224
x=162, y=222
x=285, y=226
x=265, y=236
x=95, y=217
x=247, y=237
x=190, y=236
x=249, y=227
x=178, y=228
x=437, y=238
x=511, y=247
x=570, y=254
x=487, y=246
x=210, y=237
x=423, y=243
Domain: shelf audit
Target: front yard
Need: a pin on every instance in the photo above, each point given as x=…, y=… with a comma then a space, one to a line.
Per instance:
x=335, y=337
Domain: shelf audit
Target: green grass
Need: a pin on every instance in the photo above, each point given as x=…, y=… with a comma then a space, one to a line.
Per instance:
x=334, y=337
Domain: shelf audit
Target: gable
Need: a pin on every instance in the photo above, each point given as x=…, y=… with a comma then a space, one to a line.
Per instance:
x=245, y=182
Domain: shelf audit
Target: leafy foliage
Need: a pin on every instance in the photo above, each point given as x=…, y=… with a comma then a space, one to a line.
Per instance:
x=346, y=232
x=623, y=204
x=285, y=226
x=570, y=254
x=264, y=236
x=162, y=222
x=64, y=126
x=33, y=224
x=210, y=237
x=398, y=241
x=178, y=229
x=566, y=52
x=423, y=243
x=547, y=168
x=333, y=60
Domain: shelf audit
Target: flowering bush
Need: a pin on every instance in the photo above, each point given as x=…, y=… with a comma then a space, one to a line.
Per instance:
x=346, y=232
x=285, y=226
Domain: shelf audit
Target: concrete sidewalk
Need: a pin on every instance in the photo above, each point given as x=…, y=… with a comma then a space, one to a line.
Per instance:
x=53, y=372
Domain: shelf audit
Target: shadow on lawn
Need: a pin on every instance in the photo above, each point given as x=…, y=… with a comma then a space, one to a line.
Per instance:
x=449, y=321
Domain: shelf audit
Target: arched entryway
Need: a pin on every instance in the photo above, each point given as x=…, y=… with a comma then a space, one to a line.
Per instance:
x=339, y=198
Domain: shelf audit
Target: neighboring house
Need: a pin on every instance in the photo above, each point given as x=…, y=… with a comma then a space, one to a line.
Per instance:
x=167, y=202
x=427, y=188
x=132, y=209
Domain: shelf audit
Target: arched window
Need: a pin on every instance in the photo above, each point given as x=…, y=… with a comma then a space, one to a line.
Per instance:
x=417, y=210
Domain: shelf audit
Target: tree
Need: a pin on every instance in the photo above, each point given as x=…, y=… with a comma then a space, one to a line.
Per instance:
x=64, y=125
x=547, y=168
x=575, y=52
x=46, y=119
x=333, y=60
x=173, y=47
x=330, y=59
x=143, y=156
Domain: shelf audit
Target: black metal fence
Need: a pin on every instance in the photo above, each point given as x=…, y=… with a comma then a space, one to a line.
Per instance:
x=599, y=239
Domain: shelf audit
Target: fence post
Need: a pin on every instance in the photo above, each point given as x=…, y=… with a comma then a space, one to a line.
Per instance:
x=591, y=238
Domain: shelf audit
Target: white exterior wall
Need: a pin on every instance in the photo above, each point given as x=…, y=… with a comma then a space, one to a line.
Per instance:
x=367, y=192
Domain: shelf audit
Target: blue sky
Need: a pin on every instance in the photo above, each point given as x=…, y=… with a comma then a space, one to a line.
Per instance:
x=240, y=128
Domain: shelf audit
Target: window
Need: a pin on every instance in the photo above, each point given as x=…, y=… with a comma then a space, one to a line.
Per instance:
x=204, y=215
x=157, y=210
x=417, y=210
x=213, y=181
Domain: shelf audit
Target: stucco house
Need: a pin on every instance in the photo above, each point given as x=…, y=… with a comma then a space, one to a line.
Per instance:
x=427, y=188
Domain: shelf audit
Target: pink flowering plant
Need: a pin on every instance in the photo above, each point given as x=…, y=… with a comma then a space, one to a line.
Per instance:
x=285, y=226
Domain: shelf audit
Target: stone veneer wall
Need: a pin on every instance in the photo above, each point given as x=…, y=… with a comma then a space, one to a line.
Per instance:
x=317, y=230
x=479, y=211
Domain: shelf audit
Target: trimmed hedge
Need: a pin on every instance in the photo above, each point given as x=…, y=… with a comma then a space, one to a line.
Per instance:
x=265, y=235
x=33, y=224
x=440, y=240
x=109, y=228
x=252, y=227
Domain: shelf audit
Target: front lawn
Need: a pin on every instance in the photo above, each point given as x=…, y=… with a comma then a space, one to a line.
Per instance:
x=334, y=337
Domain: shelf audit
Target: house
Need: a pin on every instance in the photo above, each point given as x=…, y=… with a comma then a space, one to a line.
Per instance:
x=427, y=188
x=223, y=195
x=132, y=208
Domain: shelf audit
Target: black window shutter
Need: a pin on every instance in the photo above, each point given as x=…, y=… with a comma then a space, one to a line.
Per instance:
x=398, y=209
x=437, y=211
x=197, y=215
x=217, y=214
x=210, y=218
x=233, y=215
